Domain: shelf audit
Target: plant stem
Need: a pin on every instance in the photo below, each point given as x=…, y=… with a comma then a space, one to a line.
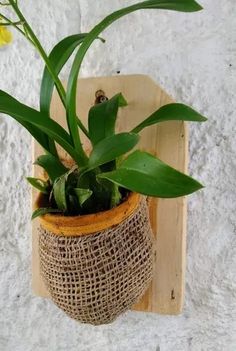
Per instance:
x=61, y=91
x=15, y=25
x=59, y=86
x=41, y=51
x=10, y=23
x=82, y=127
x=4, y=4
x=30, y=36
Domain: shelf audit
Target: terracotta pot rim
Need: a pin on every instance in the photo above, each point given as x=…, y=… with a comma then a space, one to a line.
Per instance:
x=91, y=223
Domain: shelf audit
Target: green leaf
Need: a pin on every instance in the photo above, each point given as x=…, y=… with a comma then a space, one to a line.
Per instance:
x=177, y=5
x=102, y=118
x=37, y=134
x=23, y=113
x=170, y=112
x=59, y=192
x=143, y=173
x=39, y=184
x=112, y=147
x=44, y=210
x=51, y=165
x=60, y=187
x=82, y=195
x=58, y=57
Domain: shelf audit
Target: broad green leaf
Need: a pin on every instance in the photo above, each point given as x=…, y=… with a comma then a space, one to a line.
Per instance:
x=23, y=113
x=58, y=57
x=39, y=184
x=60, y=187
x=143, y=173
x=51, y=165
x=37, y=134
x=112, y=147
x=177, y=5
x=59, y=192
x=82, y=195
x=41, y=137
x=44, y=210
x=170, y=112
x=102, y=118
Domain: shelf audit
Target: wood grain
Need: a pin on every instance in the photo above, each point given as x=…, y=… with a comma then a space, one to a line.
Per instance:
x=169, y=141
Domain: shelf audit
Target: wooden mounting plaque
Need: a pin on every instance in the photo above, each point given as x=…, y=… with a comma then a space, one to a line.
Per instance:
x=169, y=141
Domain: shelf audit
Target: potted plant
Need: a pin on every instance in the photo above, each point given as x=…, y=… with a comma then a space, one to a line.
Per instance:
x=95, y=237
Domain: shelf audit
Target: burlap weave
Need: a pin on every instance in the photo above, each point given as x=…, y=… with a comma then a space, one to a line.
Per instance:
x=96, y=277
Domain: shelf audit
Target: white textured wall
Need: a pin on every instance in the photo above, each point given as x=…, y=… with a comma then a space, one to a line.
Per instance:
x=193, y=56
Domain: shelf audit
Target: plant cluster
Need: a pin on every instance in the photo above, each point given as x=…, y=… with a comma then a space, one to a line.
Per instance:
x=100, y=180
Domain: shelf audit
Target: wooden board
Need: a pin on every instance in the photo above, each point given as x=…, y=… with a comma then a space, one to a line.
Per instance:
x=169, y=141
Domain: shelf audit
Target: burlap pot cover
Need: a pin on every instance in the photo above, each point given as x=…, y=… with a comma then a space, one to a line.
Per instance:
x=94, y=277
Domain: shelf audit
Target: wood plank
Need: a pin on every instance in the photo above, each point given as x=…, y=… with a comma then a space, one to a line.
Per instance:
x=170, y=142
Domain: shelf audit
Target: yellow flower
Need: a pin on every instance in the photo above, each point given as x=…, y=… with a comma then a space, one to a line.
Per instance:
x=5, y=36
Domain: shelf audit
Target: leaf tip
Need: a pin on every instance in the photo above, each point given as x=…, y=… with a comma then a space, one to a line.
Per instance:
x=122, y=101
x=35, y=214
x=196, y=6
x=198, y=186
x=200, y=7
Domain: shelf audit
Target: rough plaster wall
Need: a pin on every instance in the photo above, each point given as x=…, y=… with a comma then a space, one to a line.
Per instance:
x=193, y=57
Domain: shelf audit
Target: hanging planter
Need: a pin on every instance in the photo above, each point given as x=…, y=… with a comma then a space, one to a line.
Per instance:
x=95, y=241
x=97, y=266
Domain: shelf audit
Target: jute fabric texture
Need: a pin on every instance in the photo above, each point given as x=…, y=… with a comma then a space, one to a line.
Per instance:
x=94, y=278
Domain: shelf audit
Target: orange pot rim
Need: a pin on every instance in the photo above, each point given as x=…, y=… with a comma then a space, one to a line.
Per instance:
x=89, y=224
